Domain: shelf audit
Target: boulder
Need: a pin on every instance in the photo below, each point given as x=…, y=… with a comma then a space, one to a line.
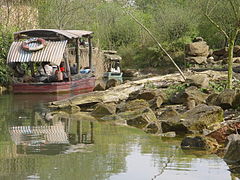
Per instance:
x=203, y=117
x=233, y=150
x=99, y=87
x=197, y=60
x=226, y=99
x=135, y=105
x=154, y=97
x=221, y=52
x=140, y=118
x=171, y=121
x=191, y=92
x=199, y=48
x=130, y=73
x=112, y=83
x=153, y=128
x=221, y=134
x=199, y=80
x=199, y=143
x=104, y=109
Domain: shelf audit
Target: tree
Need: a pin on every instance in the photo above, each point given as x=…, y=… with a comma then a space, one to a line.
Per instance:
x=225, y=16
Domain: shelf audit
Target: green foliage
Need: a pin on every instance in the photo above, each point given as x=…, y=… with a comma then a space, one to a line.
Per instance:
x=5, y=42
x=218, y=86
x=175, y=88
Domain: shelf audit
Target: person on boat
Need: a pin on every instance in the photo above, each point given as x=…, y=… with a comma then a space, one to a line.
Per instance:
x=85, y=70
x=116, y=68
x=73, y=69
x=45, y=69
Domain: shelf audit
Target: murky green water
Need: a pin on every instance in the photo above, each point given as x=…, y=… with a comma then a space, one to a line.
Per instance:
x=32, y=147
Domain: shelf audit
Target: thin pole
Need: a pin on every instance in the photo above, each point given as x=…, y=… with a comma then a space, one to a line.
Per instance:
x=159, y=45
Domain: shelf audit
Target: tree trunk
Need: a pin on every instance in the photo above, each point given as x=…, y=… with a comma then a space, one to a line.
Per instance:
x=230, y=62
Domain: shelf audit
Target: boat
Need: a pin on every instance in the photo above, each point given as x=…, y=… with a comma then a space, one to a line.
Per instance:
x=112, y=61
x=32, y=48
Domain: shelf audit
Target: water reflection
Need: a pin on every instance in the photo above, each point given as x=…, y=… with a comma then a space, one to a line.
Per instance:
x=51, y=139
x=38, y=144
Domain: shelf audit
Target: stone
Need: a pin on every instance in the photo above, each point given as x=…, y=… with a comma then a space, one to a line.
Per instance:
x=112, y=83
x=156, y=102
x=99, y=87
x=233, y=150
x=221, y=52
x=147, y=95
x=199, y=143
x=226, y=99
x=203, y=117
x=221, y=134
x=171, y=121
x=197, y=60
x=104, y=109
x=136, y=104
x=199, y=48
x=199, y=80
x=139, y=118
x=153, y=128
x=130, y=73
x=190, y=92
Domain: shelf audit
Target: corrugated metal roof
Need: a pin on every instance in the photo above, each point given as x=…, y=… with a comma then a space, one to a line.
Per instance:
x=52, y=53
x=70, y=34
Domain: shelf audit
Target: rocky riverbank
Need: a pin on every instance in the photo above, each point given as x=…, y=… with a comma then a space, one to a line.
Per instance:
x=168, y=106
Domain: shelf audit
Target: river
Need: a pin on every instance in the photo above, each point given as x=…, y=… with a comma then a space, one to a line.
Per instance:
x=32, y=146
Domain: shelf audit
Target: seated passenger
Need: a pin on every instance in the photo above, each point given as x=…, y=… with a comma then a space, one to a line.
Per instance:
x=116, y=68
x=85, y=70
x=45, y=70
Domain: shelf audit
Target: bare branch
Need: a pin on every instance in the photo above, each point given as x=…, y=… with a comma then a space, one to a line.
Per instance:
x=216, y=25
x=159, y=45
x=234, y=10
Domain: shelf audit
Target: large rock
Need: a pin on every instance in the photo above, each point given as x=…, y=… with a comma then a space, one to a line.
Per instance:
x=154, y=97
x=112, y=83
x=226, y=99
x=233, y=150
x=197, y=60
x=130, y=73
x=99, y=87
x=191, y=92
x=203, y=117
x=199, y=143
x=104, y=109
x=221, y=52
x=197, y=49
x=199, y=80
x=139, y=118
x=135, y=105
x=221, y=134
x=171, y=121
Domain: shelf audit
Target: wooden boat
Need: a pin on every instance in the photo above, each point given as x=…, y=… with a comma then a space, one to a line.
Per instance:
x=53, y=46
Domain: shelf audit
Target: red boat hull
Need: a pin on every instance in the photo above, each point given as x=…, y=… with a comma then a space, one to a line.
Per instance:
x=81, y=86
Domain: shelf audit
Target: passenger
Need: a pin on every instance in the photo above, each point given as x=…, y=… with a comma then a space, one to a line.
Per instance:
x=73, y=69
x=46, y=69
x=116, y=68
x=85, y=70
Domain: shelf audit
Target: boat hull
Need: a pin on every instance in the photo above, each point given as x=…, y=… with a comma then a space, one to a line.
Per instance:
x=83, y=85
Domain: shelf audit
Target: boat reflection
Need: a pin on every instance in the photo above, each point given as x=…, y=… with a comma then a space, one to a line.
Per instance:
x=55, y=136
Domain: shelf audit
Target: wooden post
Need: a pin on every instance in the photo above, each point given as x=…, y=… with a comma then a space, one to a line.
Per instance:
x=32, y=69
x=77, y=55
x=67, y=65
x=90, y=51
